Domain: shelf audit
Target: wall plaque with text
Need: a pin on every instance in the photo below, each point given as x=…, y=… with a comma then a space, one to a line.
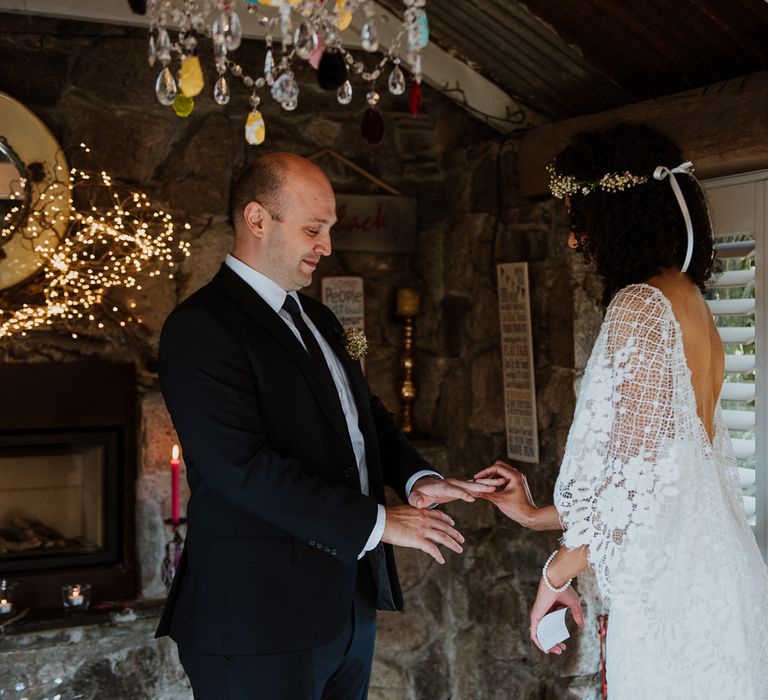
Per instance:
x=375, y=223
x=517, y=362
x=344, y=296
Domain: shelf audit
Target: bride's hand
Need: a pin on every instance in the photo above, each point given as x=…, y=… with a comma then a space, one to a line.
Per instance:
x=514, y=499
x=545, y=602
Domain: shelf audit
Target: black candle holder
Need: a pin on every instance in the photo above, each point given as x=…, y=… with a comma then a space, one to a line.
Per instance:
x=173, y=550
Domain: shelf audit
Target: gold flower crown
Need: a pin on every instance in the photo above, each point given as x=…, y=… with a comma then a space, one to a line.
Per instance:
x=561, y=185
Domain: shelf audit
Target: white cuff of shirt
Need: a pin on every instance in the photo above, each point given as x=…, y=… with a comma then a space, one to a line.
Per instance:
x=381, y=517
x=418, y=475
x=377, y=532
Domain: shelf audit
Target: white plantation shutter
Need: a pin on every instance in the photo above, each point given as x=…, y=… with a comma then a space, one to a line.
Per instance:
x=737, y=300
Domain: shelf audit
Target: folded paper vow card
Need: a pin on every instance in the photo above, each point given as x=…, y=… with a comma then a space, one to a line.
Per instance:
x=552, y=629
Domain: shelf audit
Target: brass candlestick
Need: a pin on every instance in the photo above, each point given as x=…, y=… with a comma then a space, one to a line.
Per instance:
x=407, y=309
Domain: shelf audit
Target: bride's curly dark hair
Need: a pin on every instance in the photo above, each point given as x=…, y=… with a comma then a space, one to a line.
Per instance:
x=631, y=235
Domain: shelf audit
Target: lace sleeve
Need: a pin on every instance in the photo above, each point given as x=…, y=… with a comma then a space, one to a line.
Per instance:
x=615, y=473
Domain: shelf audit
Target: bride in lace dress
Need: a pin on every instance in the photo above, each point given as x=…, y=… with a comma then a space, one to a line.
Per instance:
x=648, y=493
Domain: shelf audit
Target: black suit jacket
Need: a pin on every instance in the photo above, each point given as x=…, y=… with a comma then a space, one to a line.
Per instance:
x=276, y=519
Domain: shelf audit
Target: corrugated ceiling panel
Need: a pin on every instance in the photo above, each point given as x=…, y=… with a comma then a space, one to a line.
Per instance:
x=569, y=57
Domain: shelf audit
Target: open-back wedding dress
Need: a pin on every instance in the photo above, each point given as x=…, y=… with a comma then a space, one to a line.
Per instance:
x=660, y=507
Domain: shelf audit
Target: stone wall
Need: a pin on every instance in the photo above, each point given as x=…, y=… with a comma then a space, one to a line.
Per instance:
x=471, y=621
x=465, y=632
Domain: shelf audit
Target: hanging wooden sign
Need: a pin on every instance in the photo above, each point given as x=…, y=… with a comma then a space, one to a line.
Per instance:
x=375, y=223
x=517, y=362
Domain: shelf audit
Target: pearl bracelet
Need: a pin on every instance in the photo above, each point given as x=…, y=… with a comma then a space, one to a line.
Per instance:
x=546, y=580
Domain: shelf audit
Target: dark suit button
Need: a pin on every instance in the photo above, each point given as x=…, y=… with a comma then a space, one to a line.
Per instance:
x=326, y=548
x=334, y=552
x=318, y=545
x=349, y=473
x=311, y=543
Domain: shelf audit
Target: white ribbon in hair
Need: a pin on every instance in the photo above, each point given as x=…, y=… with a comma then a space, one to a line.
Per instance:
x=659, y=174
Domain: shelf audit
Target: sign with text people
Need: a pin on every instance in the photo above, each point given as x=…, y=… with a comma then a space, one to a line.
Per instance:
x=344, y=296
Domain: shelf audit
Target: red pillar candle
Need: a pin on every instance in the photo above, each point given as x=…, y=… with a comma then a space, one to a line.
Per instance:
x=175, y=497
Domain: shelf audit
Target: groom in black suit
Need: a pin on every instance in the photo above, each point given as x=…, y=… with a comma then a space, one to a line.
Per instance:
x=288, y=551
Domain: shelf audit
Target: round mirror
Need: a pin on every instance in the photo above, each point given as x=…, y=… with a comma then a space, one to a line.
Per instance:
x=15, y=192
x=32, y=165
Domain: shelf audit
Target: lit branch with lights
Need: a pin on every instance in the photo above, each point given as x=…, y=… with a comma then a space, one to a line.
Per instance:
x=103, y=249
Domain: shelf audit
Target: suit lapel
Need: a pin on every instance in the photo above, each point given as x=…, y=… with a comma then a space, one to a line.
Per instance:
x=261, y=312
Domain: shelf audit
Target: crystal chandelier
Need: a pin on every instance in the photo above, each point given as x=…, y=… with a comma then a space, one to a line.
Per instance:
x=295, y=30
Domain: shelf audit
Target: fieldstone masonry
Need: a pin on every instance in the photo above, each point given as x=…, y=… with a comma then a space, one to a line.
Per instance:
x=464, y=635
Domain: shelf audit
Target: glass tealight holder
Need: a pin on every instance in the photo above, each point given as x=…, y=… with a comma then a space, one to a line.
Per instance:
x=75, y=597
x=7, y=606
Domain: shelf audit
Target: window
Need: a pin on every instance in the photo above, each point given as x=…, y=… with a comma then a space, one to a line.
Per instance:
x=738, y=301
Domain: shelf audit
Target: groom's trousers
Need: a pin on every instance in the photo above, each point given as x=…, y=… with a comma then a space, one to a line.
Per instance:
x=339, y=670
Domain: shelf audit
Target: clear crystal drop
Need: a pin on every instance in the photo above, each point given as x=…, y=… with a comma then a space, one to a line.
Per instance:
x=151, y=50
x=285, y=89
x=221, y=91
x=397, y=81
x=305, y=40
x=369, y=37
x=269, y=67
x=344, y=93
x=163, y=47
x=165, y=87
x=218, y=27
x=290, y=105
x=234, y=31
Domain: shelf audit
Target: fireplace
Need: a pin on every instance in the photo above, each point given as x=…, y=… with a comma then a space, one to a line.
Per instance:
x=67, y=473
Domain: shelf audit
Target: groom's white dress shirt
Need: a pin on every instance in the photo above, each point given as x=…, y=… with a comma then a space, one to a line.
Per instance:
x=274, y=296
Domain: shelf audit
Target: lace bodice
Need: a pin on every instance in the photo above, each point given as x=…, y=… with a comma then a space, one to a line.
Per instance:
x=660, y=508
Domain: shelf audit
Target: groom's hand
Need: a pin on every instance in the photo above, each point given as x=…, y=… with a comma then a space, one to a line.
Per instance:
x=429, y=492
x=421, y=529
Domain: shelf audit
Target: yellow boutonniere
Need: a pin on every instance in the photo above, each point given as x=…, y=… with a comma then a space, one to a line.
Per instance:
x=355, y=343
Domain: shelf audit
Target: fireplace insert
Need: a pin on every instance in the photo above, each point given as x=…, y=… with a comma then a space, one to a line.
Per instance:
x=67, y=475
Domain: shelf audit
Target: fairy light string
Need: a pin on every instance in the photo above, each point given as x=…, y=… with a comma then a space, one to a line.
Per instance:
x=105, y=249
